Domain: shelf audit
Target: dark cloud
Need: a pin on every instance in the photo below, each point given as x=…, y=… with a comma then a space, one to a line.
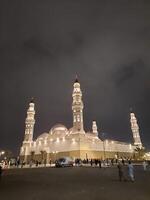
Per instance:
x=130, y=71
x=44, y=44
x=36, y=46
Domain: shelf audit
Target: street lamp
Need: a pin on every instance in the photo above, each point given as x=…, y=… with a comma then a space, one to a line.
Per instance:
x=2, y=153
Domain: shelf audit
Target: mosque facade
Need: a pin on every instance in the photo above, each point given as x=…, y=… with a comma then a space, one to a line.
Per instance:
x=74, y=142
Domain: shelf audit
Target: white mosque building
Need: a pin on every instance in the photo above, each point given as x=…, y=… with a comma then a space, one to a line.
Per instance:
x=74, y=142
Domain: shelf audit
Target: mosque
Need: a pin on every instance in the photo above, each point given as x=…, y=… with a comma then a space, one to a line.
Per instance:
x=74, y=142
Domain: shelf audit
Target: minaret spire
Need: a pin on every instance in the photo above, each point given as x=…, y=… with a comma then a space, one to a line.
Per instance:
x=76, y=79
x=29, y=128
x=94, y=128
x=135, y=130
x=32, y=100
x=77, y=107
x=30, y=121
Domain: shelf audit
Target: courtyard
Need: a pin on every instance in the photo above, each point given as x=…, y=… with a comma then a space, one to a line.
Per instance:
x=85, y=183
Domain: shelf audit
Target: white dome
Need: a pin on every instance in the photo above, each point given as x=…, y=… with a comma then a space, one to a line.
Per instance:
x=59, y=130
x=71, y=130
x=43, y=136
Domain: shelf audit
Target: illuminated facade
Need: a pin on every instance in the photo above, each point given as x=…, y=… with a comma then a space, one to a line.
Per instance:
x=73, y=142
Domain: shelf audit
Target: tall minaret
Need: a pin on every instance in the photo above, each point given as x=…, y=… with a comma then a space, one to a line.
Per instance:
x=30, y=121
x=135, y=130
x=94, y=128
x=77, y=107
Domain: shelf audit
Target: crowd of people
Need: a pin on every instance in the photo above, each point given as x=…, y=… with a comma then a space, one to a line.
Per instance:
x=126, y=170
x=125, y=167
x=108, y=162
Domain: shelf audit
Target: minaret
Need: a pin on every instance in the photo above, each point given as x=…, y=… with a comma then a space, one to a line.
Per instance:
x=135, y=130
x=77, y=107
x=30, y=121
x=94, y=128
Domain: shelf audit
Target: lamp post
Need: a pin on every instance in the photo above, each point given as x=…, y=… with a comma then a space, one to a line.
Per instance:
x=103, y=140
x=2, y=153
x=104, y=149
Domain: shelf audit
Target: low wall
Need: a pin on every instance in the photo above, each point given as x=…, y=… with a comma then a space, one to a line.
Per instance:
x=83, y=154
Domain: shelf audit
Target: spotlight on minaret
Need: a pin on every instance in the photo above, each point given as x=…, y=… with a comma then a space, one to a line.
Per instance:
x=135, y=130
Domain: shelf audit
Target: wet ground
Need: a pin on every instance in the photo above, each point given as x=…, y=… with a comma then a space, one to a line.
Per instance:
x=75, y=183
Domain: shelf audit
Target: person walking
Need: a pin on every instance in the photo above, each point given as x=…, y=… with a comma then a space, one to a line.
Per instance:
x=91, y=162
x=144, y=165
x=50, y=162
x=112, y=162
x=30, y=163
x=120, y=171
x=0, y=172
x=123, y=162
x=44, y=162
x=100, y=163
x=131, y=171
x=36, y=163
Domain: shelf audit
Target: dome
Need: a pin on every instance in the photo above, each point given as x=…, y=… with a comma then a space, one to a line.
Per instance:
x=59, y=130
x=43, y=136
x=71, y=130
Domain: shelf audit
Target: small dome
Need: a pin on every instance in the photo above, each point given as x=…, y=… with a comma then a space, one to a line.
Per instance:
x=59, y=130
x=43, y=136
x=71, y=130
x=59, y=127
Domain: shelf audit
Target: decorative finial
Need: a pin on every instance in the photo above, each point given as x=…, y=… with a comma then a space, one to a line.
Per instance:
x=32, y=100
x=131, y=109
x=76, y=79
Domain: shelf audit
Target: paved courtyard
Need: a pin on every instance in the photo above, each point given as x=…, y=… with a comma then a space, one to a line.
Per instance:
x=83, y=183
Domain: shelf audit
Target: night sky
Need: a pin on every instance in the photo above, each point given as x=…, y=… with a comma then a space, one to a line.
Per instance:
x=44, y=44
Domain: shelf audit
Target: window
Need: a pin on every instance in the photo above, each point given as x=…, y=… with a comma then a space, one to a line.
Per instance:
x=78, y=118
